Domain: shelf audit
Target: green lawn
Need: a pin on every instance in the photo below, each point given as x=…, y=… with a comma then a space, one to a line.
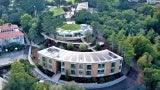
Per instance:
x=72, y=27
x=57, y=11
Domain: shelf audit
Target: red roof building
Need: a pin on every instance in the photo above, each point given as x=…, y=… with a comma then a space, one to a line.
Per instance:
x=10, y=33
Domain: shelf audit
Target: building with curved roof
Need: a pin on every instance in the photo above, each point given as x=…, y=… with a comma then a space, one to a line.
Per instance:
x=80, y=64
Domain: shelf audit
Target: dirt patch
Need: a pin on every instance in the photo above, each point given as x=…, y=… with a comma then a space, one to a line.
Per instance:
x=34, y=55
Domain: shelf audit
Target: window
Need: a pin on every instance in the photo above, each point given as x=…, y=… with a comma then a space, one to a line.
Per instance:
x=89, y=67
x=80, y=72
x=113, y=64
x=50, y=61
x=121, y=61
x=88, y=73
x=44, y=65
x=112, y=70
x=62, y=70
x=120, y=67
x=62, y=64
x=101, y=66
x=73, y=66
x=43, y=59
x=50, y=67
x=73, y=72
x=101, y=72
x=81, y=66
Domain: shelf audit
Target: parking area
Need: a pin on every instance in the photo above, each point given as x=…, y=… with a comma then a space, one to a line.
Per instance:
x=13, y=56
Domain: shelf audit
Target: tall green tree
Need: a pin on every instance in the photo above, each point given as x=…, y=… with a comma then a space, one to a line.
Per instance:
x=25, y=20
x=19, y=79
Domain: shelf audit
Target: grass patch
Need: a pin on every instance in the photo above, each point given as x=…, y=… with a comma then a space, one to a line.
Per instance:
x=57, y=11
x=71, y=27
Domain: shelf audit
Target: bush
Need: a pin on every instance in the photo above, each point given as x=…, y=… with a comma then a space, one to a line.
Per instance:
x=97, y=47
x=93, y=41
x=101, y=80
x=82, y=47
x=69, y=46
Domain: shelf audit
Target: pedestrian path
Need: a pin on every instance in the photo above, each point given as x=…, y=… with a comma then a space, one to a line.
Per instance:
x=87, y=44
x=56, y=77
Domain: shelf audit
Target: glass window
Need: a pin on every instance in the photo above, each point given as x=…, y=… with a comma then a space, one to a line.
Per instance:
x=80, y=72
x=89, y=67
x=101, y=65
x=81, y=66
x=43, y=59
x=100, y=71
x=112, y=70
x=50, y=66
x=88, y=73
x=73, y=72
x=44, y=64
x=113, y=64
x=120, y=67
x=62, y=70
x=73, y=66
x=62, y=64
x=50, y=61
x=121, y=61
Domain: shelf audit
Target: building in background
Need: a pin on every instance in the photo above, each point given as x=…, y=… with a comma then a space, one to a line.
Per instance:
x=10, y=33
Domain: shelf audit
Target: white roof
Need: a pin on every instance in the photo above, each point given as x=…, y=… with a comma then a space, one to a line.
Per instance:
x=79, y=57
x=83, y=5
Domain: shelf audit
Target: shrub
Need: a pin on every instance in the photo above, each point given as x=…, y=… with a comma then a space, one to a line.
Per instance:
x=97, y=47
x=101, y=80
x=70, y=46
x=82, y=47
x=93, y=41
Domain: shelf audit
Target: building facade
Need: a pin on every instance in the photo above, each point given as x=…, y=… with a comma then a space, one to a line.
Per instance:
x=80, y=64
x=10, y=33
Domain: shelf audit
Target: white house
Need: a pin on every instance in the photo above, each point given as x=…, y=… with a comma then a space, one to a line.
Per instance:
x=10, y=33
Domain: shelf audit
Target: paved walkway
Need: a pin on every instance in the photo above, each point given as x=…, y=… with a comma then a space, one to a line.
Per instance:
x=88, y=45
x=53, y=39
x=56, y=77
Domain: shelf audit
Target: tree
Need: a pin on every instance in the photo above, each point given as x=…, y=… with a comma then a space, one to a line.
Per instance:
x=73, y=86
x=83, y=17
x=70, y=46
x=112, y=39
x=32, y=6
x=88, y=35
x=123, y=4
x=50, y=23
x=152, y=76
x=102, y=5
x=141, y=44
x=1, y=22
x=146, y=10
x=19, y=79
x=27, y=66
x=5, y=18
x=82, y=47
x=41, y=86
x=25, y=19
x=144, y=60
x=128, y=52
x=33, y=32
x=4, y=3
